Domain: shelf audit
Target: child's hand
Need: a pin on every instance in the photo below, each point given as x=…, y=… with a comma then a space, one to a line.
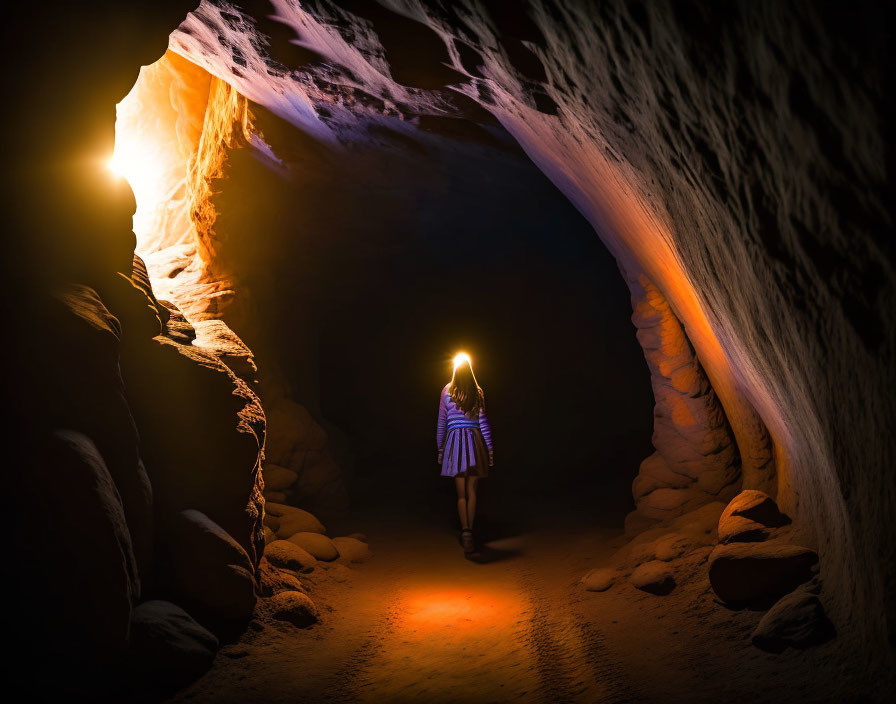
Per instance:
x=491, y=458
x=441, y=456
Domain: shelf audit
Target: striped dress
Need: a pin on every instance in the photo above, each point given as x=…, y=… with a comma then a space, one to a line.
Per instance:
x=465, y=442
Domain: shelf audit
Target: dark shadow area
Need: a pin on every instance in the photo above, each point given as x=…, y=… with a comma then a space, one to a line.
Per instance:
x=391, y=258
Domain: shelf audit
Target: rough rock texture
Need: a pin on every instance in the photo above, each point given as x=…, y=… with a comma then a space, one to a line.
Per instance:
x=288, y=555
x=351, y=549
x=755, y=506
x=286, y=521
x=599, y=579
x=293, y=607
x=208, y=570
x=744, y=572
x=299, y=443
x=752, y=196
x=320, y=546
x=697, y=460
x=82, y=574
x=272, y=580
x=751, y=516
x=167, y=646
x=797, y=620
x=654, y=577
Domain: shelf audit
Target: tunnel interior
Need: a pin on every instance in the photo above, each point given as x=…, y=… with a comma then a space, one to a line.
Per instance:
x=356, y=277
x=333, y=198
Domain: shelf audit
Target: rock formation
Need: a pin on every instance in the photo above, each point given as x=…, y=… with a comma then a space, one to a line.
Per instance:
x=732, y=160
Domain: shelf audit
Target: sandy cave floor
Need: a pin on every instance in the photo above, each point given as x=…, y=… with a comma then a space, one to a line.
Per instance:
x=419, y=623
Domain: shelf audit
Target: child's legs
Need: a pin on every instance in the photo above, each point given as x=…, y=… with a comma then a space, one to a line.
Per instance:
x=471, y=487
x=460, y=486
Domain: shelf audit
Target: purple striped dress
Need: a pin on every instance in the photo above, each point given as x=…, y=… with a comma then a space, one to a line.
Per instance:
x=465, y=442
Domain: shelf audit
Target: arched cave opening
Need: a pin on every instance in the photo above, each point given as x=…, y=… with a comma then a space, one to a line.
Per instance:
x=333, y=198
x=366, y=271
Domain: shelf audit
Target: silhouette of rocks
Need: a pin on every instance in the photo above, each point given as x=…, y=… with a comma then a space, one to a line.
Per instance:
x=288, y=555
x=798, y=620
x=746, y=572
x=168, y=647
x=210, y=572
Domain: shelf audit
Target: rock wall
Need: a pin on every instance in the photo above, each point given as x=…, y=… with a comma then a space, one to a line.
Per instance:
x=732, y=154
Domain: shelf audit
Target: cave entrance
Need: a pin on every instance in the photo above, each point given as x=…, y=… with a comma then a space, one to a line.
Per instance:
x=354, y=275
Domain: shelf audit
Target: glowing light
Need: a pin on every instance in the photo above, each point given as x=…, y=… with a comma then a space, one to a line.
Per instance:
x=460, y=358
x=115, y=167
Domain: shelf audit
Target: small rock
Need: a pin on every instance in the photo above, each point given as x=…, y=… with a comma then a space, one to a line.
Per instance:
x=287, y=555
x=654, y=577
x=599, y=579
x=337, y=571
x=352, y=549
x=318, y=545
x=274, y=496
x=294, y=607
x=743, y=572
x=167, y=646
x=797, y=620
x=272, y=580
x=277, y=478
x=755, y=506
x=358, y=536
x=737, y=529
x=286, y=521
x=671, y=546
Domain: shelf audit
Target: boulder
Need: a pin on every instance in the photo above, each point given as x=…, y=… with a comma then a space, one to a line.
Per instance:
x=599, y=579
x=286, y=521
x=274, y=496
x=167, y=646
x=738, y=529
x=272, y=580
x=209, y=571
x=293, y=607
x=318, y=545
x=654, y=577
x=671, y=546
x=277, y=478
x=351, y=549
x=288, y=555
x=358, y=536
x=755, y=506
x=744, y=572
x=73, y=598
x=797, y=620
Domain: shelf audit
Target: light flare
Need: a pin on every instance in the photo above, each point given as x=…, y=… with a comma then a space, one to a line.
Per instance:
x=460, y=358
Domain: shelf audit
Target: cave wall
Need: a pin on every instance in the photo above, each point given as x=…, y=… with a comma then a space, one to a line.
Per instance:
x=730, y=154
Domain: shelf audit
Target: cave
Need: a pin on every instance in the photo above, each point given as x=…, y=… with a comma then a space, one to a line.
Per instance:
x=248, y=239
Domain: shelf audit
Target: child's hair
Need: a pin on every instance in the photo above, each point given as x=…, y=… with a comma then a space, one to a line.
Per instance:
x=465, y=391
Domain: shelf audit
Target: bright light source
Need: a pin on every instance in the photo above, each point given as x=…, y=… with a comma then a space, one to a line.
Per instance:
x=114, y=166
x=460, y=358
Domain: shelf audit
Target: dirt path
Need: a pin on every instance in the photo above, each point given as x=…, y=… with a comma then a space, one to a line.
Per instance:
x=419, y=623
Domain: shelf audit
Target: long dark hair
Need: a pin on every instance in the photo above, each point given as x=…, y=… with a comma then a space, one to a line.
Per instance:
x=465, y=390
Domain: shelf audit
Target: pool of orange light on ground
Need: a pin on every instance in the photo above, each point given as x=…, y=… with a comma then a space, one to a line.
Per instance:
x=465, y=642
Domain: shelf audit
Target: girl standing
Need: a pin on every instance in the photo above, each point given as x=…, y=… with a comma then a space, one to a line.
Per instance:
x=464, y=441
